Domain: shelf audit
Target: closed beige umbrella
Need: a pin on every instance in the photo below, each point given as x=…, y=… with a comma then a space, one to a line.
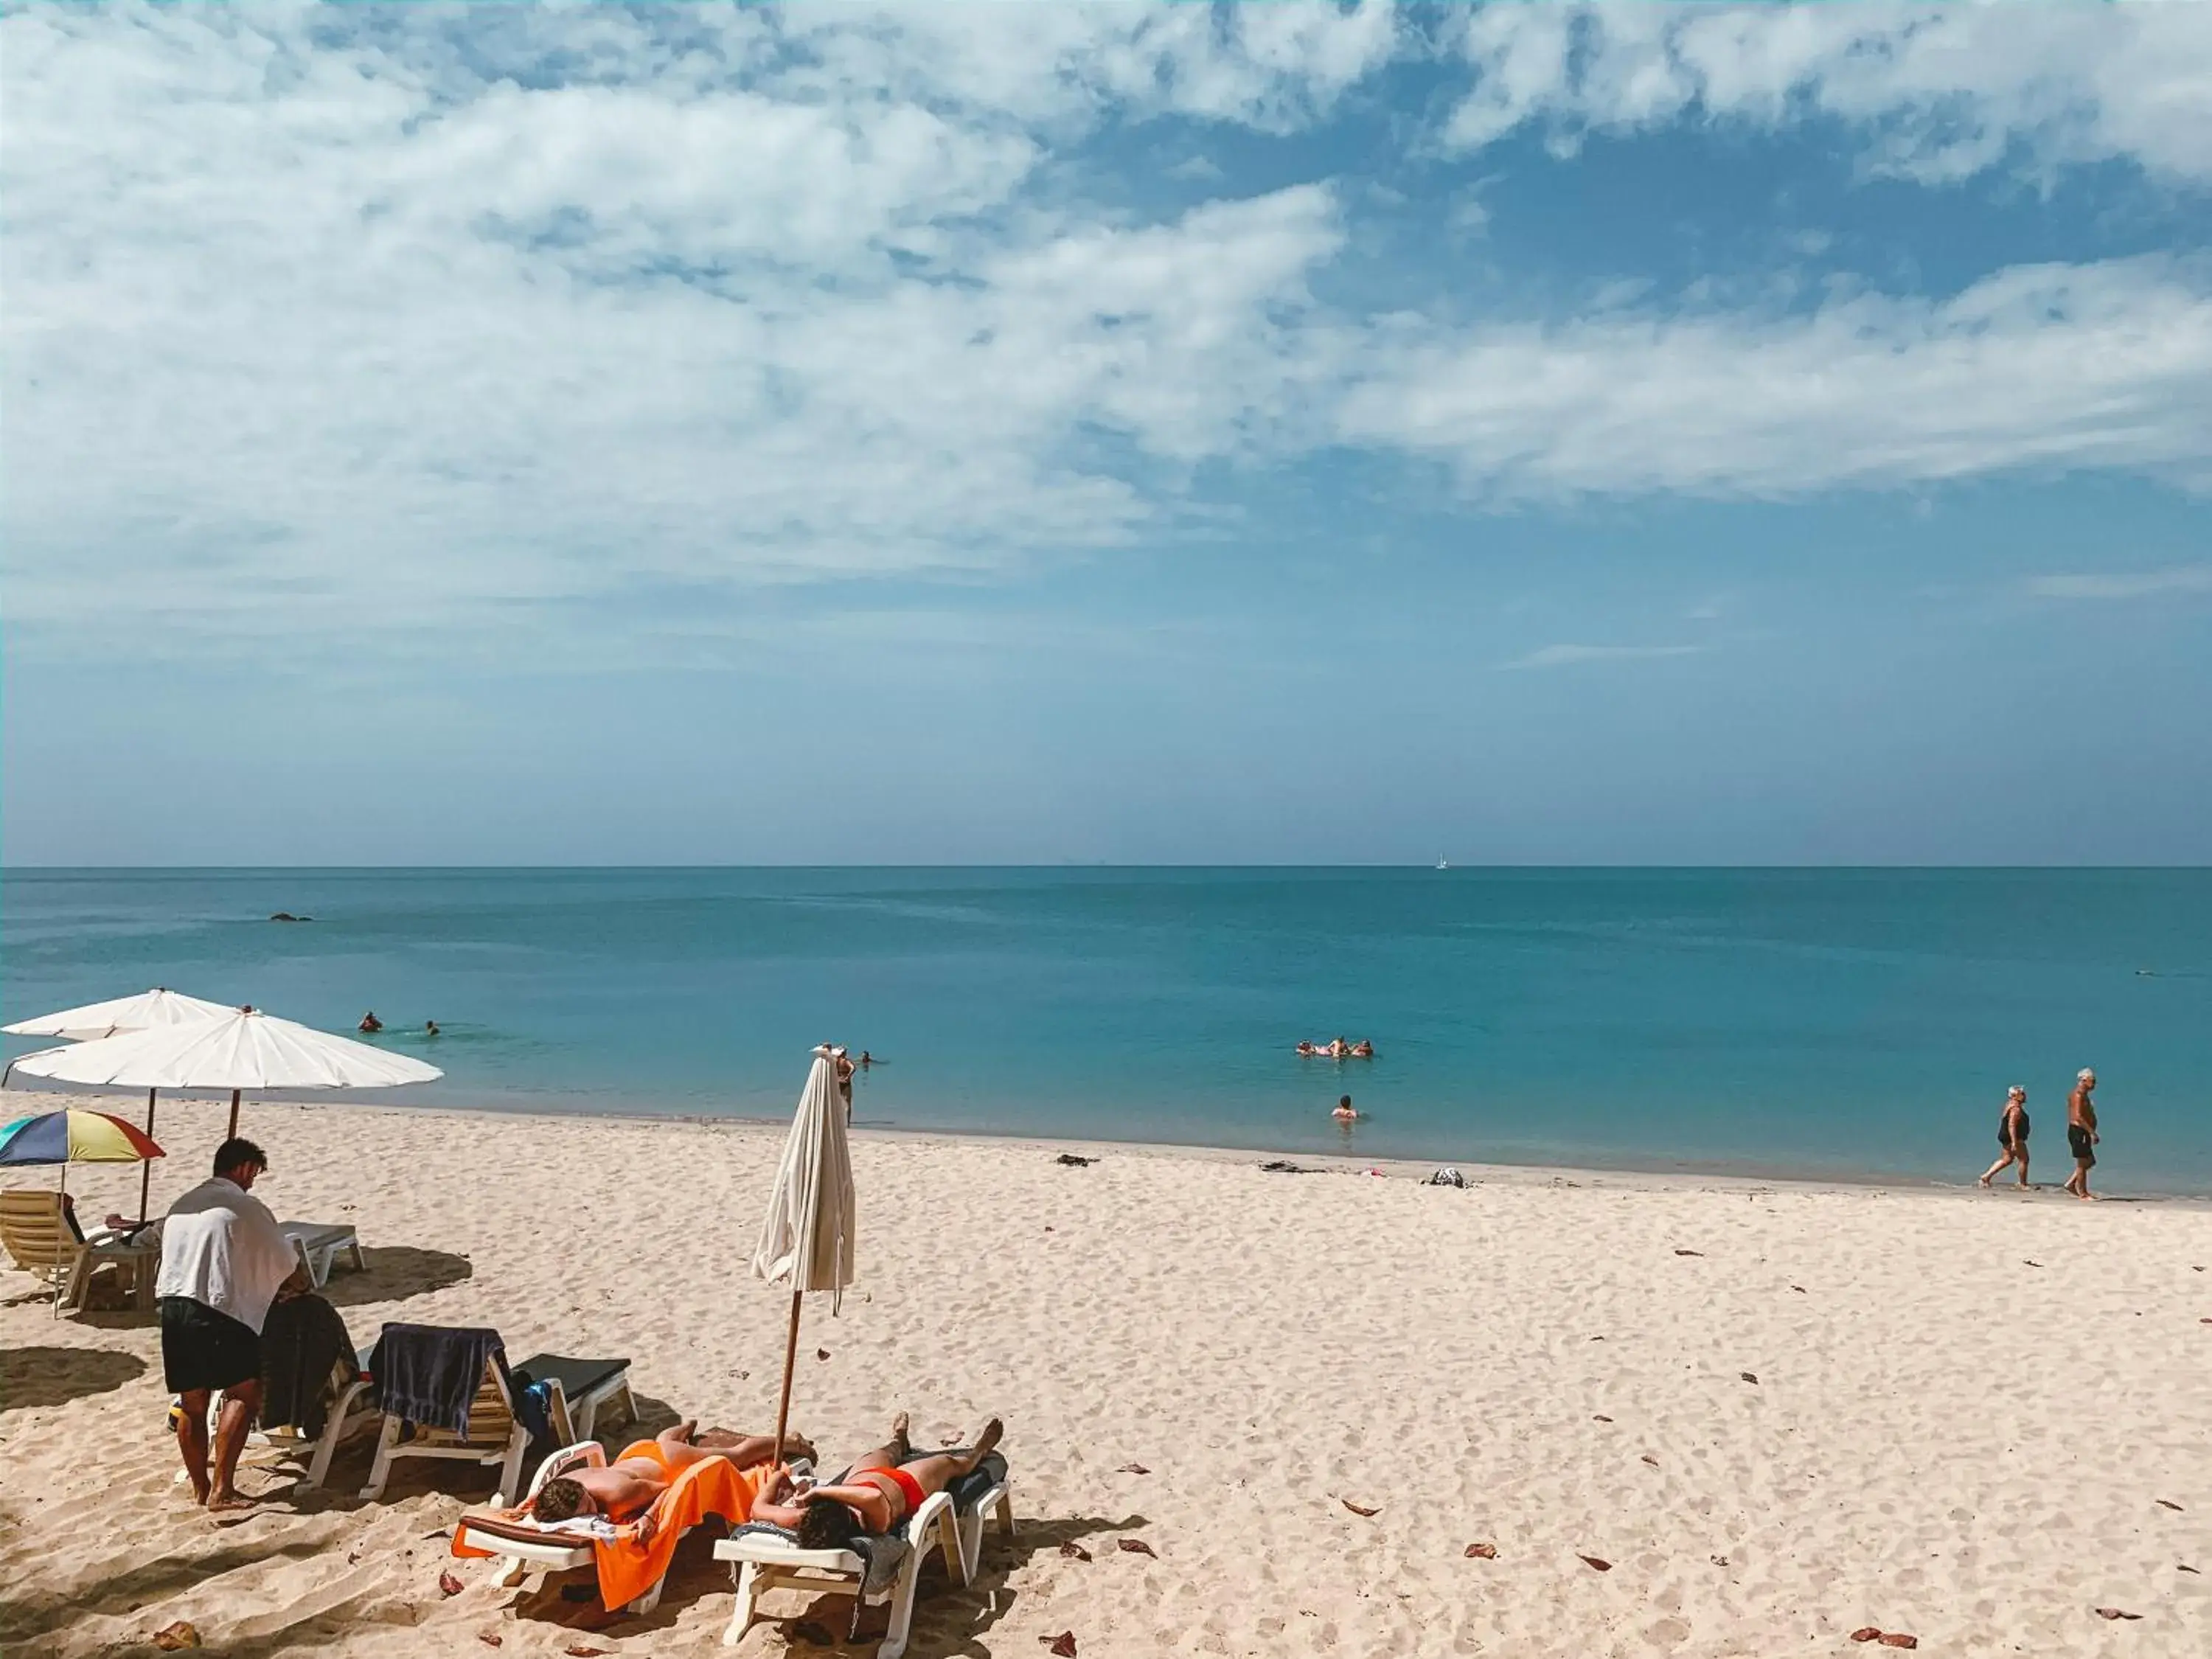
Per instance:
x=807, y=1239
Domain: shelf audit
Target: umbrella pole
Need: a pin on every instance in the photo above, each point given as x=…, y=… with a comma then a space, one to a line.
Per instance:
x=146, y=1165
x=783, y=1401
x=62, y=1283
x=233, y=1135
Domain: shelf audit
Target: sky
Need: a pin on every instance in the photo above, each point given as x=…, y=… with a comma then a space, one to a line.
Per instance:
x=1028, y=433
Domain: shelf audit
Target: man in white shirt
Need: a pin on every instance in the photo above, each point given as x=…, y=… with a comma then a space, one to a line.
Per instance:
x=223, y=1261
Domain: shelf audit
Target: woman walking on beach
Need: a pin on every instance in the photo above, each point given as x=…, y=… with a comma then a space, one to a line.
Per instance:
x=2012, y=1134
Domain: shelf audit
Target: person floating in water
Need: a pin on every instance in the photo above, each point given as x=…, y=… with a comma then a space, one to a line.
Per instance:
x=370, y=1023
x=2012, y=1134
x=1345, y=1112
x=867, y=1059
x=1336, y=1049
x=429, y=1027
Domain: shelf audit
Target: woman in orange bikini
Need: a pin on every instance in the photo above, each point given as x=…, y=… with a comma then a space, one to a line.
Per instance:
x=877, y=1494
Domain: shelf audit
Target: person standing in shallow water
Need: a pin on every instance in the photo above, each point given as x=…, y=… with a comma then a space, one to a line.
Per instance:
x=2082, y=1136
x=2012, y=1134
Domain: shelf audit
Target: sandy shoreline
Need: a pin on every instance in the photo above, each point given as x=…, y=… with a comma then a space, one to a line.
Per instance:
x=1968, y=1406
x=1630, y=1167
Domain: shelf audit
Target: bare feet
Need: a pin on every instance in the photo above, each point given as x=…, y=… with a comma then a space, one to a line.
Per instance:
x=988, y=1440
x=1985, y=1181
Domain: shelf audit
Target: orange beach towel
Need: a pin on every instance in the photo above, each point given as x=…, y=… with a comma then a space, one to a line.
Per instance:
x=628, y=1568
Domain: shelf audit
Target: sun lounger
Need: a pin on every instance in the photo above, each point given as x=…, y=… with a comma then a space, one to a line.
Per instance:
x=36, y=1232
x=525, y=1546
x=493, y=1434
x=630, y=1572
x=952, y=1522
x=319, y=1244
x=350, y=1413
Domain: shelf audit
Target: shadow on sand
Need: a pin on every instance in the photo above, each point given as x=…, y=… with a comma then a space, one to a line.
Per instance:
x=31, y=1377
x=394, y=1273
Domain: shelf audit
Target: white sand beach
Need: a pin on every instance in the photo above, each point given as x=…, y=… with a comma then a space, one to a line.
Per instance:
x=1781, y=1414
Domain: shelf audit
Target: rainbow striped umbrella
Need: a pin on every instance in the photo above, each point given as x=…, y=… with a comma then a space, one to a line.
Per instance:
x=75, y=1136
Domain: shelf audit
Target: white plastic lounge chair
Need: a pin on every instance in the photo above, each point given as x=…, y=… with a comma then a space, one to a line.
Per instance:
x=494, y=1435
x=350, y=1413
x=321, y=1243
x=524, y=1546
x=763, y=1563
x=37, y=1234
x=270, y=1444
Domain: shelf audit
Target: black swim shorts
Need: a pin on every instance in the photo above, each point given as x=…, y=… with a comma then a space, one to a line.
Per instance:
x=203, y=1349
x=2077, y=1138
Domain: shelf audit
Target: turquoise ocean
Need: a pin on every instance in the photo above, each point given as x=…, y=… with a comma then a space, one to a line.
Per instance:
x=1828, y=1023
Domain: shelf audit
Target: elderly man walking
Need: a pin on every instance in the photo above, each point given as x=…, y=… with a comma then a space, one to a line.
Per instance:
x=2082, y=1136
x=223, y=1262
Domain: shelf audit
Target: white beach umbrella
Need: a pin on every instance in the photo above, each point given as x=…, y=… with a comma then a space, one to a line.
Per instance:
x=143, y=1012
x=807, y=1239
x=244, y=1050
x=148, y=1010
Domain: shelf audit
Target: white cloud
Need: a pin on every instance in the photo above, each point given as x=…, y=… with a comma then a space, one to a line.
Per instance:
x=336, y=327
x=2048, y=367
x=1944, y=91
x=2124, y=585
x=1568, y=656
x=389, y=317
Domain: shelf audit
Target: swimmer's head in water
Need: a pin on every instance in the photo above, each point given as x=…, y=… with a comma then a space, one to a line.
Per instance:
x=1345, y=1104
x=826, y=1525
x=558, y=1500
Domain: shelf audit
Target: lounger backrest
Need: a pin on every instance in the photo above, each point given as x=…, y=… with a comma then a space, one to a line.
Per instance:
x=31, y=1228
x=491, y=1414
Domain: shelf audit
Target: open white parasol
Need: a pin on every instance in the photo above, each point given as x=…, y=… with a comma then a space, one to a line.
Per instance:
x=143, y=1012
x=149, y=1011
x=244, y=1050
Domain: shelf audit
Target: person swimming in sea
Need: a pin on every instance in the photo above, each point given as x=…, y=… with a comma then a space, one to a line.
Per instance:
x=2012, y=1134
x=370, y=1023
x=1336, y=1049
x=429, y=1027
x=1345, y=1112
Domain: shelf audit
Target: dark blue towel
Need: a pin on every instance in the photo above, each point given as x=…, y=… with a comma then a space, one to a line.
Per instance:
x=429, y=1374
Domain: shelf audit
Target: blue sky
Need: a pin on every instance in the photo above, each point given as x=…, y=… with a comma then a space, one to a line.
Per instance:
x=1022, y=432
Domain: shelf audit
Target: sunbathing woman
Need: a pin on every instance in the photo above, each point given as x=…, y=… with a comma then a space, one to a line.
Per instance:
x=877, y=1494
x=622, y=1491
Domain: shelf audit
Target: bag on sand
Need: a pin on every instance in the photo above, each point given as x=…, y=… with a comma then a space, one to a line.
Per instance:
x=1447, y=1177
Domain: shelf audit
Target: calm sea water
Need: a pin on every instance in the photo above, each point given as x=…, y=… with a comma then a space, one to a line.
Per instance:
x=1839, y=1022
